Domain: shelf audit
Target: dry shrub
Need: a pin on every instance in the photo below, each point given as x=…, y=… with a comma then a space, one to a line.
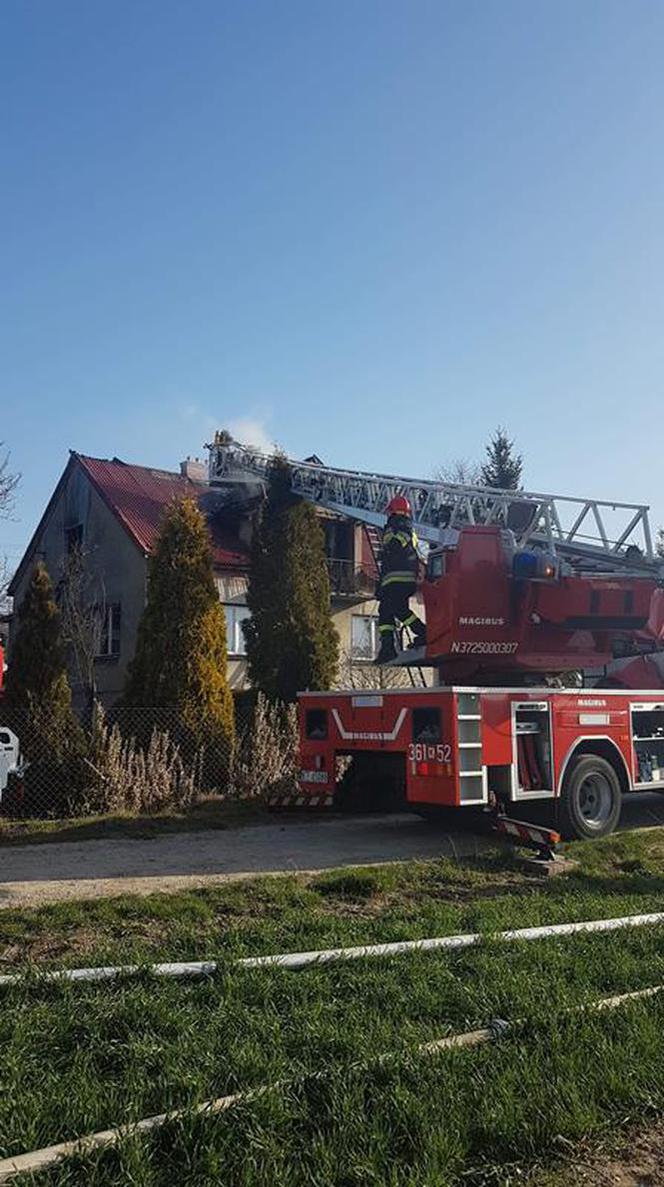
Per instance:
x=267, y=757
x=128, y=777
x=364, y=674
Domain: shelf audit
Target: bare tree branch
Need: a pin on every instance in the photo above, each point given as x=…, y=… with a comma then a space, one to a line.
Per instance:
x=82, y=600
x=362, y=674
x=461, y=471
x=5, y=578
x=8, y=485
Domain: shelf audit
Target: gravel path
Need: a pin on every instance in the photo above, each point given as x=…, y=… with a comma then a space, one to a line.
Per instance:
x=31, y=875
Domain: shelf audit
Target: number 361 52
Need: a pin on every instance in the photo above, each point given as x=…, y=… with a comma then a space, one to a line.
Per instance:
x=428, y=752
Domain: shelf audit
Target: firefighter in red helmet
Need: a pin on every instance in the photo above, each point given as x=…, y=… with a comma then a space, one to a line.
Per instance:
x=398, y=579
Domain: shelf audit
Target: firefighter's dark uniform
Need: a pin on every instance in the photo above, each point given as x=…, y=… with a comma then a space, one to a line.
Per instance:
x=398, y=582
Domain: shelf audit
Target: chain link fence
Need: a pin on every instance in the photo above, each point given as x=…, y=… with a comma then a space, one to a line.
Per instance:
x=142, y=761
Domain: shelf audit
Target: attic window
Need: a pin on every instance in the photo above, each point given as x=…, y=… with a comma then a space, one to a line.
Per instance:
x=73, y=538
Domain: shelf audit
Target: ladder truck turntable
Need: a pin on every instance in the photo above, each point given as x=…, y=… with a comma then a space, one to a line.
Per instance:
x=522, y=593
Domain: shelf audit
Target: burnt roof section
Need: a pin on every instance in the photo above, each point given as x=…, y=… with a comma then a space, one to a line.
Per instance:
x=138, y=496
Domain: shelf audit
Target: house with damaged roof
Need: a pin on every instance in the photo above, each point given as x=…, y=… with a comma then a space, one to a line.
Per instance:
x=109, y=512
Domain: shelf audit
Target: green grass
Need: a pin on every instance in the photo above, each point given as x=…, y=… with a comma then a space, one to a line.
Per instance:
x=373, y=904
x=78, y=1058
x=208, y=813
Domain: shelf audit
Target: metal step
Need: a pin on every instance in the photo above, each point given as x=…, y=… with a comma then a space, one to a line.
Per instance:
x=412, y=657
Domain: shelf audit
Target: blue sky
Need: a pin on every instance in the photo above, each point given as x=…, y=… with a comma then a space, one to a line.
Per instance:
x=372, y=230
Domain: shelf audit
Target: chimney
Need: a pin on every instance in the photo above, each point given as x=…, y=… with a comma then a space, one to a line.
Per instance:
x=194, y=469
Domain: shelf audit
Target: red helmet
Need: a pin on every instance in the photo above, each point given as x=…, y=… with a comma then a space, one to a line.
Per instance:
x=399, y=505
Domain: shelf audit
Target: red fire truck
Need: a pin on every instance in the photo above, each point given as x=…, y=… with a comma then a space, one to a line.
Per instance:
x=498, y=621
x=542, y=622
x=469, y=747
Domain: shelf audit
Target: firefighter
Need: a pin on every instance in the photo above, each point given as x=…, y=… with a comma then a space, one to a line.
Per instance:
x=398, y=579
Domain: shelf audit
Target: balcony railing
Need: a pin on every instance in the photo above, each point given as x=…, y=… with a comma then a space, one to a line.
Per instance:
x=349, y=581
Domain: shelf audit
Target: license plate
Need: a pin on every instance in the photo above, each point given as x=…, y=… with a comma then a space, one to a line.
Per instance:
x=313, y=776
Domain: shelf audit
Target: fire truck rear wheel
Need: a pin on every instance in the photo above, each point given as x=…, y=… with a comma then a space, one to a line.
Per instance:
x=591, y=798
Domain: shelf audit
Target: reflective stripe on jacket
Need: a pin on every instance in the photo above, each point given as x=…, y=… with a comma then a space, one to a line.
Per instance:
x=398, y=577
x=399, y=559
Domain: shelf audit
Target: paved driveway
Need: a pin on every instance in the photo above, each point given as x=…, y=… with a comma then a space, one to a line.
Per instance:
x=36, y=874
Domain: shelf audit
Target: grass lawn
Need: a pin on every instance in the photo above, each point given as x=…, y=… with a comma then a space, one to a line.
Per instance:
x=78, y=1058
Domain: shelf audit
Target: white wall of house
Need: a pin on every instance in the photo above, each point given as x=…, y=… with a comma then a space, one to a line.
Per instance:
x=356, y=624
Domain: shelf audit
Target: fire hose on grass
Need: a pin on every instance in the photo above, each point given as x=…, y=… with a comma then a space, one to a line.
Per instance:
x=300, y=960
x=50, y=1156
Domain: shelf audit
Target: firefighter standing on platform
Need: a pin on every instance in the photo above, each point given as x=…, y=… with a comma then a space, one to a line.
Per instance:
x=398, y=579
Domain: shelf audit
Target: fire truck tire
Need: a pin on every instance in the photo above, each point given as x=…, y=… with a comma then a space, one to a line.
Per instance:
x=590, y=800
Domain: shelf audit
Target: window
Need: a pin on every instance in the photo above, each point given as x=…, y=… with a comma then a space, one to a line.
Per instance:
x=235, y=640
x=316, y=724
x=426, y=725
x=109, y=632
x=73, y=538
x=364, y=636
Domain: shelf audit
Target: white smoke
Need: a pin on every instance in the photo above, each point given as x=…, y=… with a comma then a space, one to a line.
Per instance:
x=252, y=432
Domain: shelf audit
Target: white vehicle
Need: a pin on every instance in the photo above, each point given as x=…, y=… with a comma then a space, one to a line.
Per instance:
x=9, y=757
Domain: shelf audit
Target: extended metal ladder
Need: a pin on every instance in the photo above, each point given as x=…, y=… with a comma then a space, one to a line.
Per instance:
x=590, y=534
x=375, y=539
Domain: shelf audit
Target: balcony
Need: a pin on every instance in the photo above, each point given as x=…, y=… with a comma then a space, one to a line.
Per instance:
x=348, y=582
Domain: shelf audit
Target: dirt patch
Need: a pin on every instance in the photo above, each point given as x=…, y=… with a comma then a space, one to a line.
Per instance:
x=370, y=905
x=634, y=1159
x=41, y=894
x=78, y=942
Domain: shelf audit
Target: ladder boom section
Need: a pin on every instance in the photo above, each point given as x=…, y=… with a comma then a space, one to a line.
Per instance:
x=588, y=533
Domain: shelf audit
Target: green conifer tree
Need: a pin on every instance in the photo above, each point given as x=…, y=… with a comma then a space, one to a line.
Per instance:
x=503, y=466
x=292, y=643
x=181, y=655
x=38, y=695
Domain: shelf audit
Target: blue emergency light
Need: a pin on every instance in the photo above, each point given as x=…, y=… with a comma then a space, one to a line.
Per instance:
x=530, y=566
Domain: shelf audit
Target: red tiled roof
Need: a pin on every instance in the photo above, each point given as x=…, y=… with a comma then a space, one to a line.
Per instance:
x=138, y=496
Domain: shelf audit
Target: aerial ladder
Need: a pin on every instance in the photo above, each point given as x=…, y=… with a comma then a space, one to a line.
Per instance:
x=520, y=586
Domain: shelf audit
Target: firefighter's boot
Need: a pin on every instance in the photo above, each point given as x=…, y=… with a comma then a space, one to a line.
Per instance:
x=418, y=630
x=387, y=651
